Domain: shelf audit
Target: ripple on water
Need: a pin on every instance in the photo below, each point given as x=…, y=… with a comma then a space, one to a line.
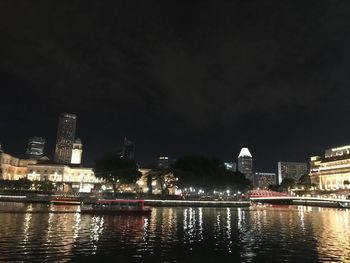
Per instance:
x=179, y=235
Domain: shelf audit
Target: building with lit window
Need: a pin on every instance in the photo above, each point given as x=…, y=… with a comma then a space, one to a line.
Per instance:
x=12, y=168
x=65, y=138
x=66, y=178
x=292, y=170
x=264, y=180
x=35, y=148
x=163, y=162
x=332, y=171
x=77, y=152
x=245, y=163
x=128, y=151
x=230, y=166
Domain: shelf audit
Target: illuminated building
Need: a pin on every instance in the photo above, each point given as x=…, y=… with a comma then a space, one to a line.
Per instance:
x=263, y=180
x=230, y=166
x=12, y=168
x=65, y=138
x=77, y=151
x=128, y=149
x=333, y=171
x=245, y=163
x=66, y=177
x=293, y=170
x=163, y=162
x=35, y=148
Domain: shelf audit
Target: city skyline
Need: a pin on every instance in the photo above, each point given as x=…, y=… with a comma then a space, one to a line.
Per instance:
x=77, y=141
x=207, y=82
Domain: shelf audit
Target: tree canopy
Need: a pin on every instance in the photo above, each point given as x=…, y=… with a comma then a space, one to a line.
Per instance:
x=116, y=170
x=208, y=173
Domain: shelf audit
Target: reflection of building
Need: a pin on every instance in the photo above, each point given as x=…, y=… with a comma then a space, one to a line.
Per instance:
x=77, y=152
x=65, y=138
x=128, y=149
x=230, y=166
x=163, y=162
x=245, y=163
x=333, y=170
x=263, y=180
x=35, y=148
x=70, y=177
x=12, y=168
x=291, y=170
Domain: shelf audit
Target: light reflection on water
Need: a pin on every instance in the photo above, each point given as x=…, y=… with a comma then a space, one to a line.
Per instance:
x=296, y=234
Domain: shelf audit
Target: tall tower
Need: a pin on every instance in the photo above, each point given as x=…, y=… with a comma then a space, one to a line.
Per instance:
x=245, y=163
x=77, y=152
x=65, y=138
x=128, y=149
x=35, y=148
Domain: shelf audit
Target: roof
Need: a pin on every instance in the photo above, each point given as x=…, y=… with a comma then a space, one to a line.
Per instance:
x=245, y=153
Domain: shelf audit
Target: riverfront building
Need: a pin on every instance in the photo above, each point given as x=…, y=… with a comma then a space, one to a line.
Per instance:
x=35, y=148
x=65, y=138
x=293, y=170
x=12, y=168
x=332, y=171
x=66, y=178
x=245, y=163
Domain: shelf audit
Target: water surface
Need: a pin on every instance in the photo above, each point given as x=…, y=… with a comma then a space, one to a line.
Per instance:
x=257, y=234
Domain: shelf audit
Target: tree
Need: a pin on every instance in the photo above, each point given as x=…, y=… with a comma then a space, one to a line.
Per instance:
x=208, y=173
x=287, y=183
x=117, y=171
x=164, y=177
x=22, y=184
x=305, y=181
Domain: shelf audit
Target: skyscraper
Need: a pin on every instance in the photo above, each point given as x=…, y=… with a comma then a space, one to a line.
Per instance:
x=77, y=152
x=245, y=163
x=35, y=148
x=128, y=149
x=65, y=138
x=163, y=162
x=291, y=170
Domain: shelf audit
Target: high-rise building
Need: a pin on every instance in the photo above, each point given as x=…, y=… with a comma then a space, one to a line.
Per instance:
x=263, y=180
x=35, y=148
x=163, y=162
x=245, y=163
x=65, y=138
x=77, y=152
x=128, y=149
x=293, y=170
x=230, y=166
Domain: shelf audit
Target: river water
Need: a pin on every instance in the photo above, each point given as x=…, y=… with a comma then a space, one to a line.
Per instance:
x=256, y=234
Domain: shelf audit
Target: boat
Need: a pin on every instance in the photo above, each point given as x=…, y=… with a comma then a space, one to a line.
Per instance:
x=120, y=207
x=344, y=204
x=65, y=201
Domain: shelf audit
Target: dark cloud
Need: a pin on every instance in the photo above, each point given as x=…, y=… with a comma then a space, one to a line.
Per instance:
x=179, y=77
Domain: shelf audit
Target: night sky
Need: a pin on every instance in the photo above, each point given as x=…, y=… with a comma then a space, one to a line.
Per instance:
x=206, y=77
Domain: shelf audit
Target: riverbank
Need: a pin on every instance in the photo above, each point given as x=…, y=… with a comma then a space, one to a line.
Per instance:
x=194, y=203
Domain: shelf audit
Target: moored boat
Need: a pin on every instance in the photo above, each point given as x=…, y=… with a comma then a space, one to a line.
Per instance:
x=66, y=201
x=130, y=207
